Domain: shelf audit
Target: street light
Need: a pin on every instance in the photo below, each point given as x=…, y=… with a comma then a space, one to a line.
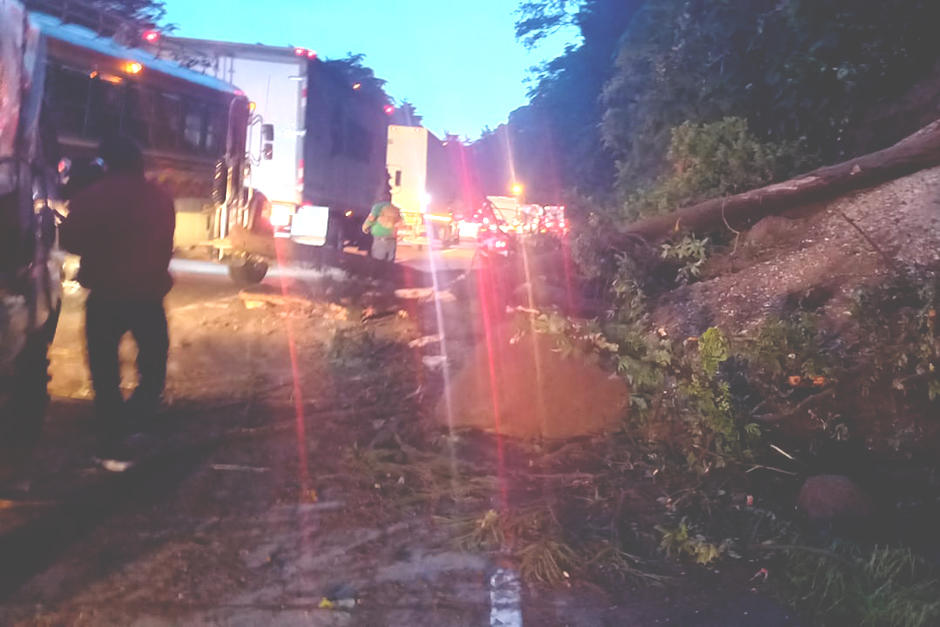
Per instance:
x=518, y=189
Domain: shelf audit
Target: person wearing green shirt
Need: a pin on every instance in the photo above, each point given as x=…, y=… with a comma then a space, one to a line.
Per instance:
x=382, y=224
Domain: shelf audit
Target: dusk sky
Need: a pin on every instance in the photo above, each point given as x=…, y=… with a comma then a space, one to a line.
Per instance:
x=459, y=63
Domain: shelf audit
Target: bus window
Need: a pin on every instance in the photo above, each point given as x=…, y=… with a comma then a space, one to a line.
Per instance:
x=193, y=130
x=166, y=121
x=215, y=134
x=68, y=91
x=138, y=115
x=107, y=103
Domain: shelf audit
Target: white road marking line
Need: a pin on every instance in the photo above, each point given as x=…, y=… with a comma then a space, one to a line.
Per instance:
x=505, y=599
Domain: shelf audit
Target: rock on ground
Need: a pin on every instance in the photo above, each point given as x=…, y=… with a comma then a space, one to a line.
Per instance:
x=833, y=497
x=538, y=391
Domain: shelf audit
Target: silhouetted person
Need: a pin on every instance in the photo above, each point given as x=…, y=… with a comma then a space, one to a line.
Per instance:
x=122, y=227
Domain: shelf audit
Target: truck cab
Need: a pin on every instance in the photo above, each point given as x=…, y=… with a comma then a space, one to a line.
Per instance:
x=30, y=261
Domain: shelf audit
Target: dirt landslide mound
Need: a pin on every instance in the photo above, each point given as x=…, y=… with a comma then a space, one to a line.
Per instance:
x=538, y=391
x=786, y=258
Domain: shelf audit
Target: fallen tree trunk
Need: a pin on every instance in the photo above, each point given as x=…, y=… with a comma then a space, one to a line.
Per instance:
x=916, y=152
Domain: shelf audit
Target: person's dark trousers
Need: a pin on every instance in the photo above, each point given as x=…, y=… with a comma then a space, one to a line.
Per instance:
x=106, y=321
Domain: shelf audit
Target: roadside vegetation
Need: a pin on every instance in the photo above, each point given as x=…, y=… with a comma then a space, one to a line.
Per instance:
x=722, y=430
x=733, y=424
x=661, y=105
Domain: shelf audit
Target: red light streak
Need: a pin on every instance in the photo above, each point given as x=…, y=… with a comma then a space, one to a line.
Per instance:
x=486, y=290
x=300, y=420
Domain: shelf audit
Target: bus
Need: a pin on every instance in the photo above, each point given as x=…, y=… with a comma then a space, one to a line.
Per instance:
x=191, y=127
x=30, y=261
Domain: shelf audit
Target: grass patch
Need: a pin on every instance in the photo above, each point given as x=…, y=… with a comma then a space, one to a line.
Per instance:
x=413, y=477
x=848, y=585
x=548, y=560
x=545, y=550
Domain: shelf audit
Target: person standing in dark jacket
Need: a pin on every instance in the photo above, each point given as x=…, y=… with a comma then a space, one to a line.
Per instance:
x=122, y=228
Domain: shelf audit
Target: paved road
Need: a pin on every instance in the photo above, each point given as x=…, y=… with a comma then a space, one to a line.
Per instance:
x=198, y=282
x=251, y=507
x=445, y=259
x=234, y=515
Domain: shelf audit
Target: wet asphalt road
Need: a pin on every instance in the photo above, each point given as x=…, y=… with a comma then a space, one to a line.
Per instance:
x=208, y=529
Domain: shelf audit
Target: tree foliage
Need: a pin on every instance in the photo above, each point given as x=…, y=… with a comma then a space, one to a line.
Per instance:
x=537, y=20
x=353, y=70
x=554, y=141
x=713, y=159
x=406, y=115
x=804, y=74
x=797, y=70
x=144, y=13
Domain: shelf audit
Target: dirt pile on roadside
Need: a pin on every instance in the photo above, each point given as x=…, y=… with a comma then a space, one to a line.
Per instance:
x=810, y=247
x=521, y=387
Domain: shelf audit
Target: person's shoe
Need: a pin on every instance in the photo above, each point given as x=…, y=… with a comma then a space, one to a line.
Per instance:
x=113, y=456
x=115, y=465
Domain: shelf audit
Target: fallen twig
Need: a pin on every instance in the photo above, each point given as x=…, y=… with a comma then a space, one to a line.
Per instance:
x=761, y=467
x=239, y=468
x=737, y=234
x=805, y=404
x=782, y=452
x=871, y=242
x=806, y=549
x=557, y=475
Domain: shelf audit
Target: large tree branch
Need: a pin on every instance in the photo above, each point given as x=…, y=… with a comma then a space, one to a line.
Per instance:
x=916, y=152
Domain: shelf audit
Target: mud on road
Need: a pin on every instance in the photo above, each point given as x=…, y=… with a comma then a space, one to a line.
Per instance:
x=288, y=482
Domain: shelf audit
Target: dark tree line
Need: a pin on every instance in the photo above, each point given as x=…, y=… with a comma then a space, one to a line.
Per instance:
x=147, y=13
x=807, y=81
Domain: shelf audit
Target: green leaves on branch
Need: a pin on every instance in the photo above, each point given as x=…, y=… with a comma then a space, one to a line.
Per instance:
x=713, y=349
x=680, y=542
x=709, y=160
x=690, y=253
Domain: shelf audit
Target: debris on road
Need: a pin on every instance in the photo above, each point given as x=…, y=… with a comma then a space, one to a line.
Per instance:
x=239, y=468
x=421, y=342
x=270, y=298
x=434, y=361
x=426, y=295
x=258, y=299
x=371, y=313
x=115, y=465
x=342, y=596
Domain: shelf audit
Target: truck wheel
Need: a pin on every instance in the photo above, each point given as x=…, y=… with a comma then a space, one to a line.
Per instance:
x=28, y=396
x=249, y=272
